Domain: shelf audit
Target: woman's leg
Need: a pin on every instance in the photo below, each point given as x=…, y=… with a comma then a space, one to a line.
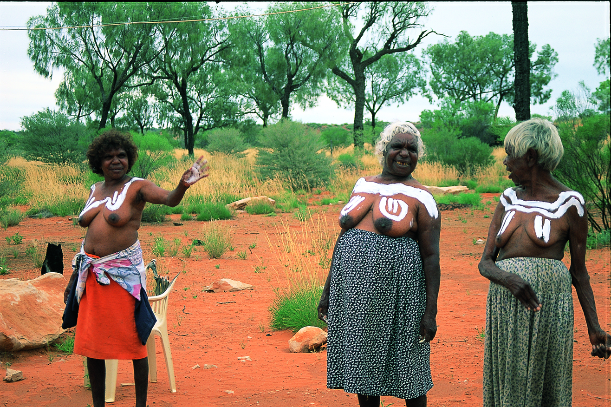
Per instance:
x=97, y=379
x=368, y=401
x=141, y=379
x=417, y=402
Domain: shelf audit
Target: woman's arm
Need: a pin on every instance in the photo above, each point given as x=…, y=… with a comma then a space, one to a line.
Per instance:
x=578, y=233
x=428, y=241
x=323, y=305
x=487, y=267
x=157, y=195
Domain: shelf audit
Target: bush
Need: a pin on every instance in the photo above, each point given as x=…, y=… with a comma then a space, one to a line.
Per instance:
x=334, y=137
x=464, y=154
x=260, y=208
x=216, y=240
x=292, y=154
x=207, y=211
x=585, y=166
x=296, y=309
x=53, y=137
x=154, y=152
x=11, y=179
x=226, y=141
x=348, y=161
x=10, y=217
x=153, y=213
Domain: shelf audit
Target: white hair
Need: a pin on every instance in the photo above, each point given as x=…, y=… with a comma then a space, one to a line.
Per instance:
x=540, y=135
x=392, y=130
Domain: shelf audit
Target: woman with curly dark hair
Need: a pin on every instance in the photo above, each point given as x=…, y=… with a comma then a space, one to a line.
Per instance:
x=107, y=287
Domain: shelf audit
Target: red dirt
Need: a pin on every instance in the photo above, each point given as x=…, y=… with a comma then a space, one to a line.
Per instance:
x=216, y=329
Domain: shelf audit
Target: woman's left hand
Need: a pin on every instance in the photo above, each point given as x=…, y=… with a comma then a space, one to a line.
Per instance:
x=601, y=344
x=428, y=328
x=198, y=170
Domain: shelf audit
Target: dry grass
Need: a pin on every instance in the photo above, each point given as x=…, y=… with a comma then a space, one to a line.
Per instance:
x=304, y=253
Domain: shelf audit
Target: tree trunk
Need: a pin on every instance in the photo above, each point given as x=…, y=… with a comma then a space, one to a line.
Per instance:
x=359, y=106
x=522, y=63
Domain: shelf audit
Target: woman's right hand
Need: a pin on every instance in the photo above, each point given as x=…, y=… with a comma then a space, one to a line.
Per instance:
x=522, y=291
x=323, y=309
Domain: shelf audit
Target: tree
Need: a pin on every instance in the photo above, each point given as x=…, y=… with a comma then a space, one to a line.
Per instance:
x=91, y=47
x=393, y=79
x=383, y=30
x=187, y=76
x=52, y=137
x=139, y=112
x=483, y=68
x=283, y=46
x=602, y=62
x=521, y=60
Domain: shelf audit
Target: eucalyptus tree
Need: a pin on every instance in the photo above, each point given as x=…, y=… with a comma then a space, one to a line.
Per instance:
x=393, y=79
x=96, y=40
x=245, y=70
x=186, y=77
x=78, y=96
x=482, y=68
x=277, y=53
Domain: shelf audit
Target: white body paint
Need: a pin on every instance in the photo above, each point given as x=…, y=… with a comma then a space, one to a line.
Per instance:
x=113, y=203
x=194, y=173
x=389, y=208
x=353, y=203
x=549, y=210
x=386, y=190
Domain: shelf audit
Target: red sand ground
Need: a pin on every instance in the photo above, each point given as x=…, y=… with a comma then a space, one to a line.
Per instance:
x=217, y=329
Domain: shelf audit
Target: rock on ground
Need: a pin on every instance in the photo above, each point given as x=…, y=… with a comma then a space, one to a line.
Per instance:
x=31, y=311
x=225, y=284
x=308, y=339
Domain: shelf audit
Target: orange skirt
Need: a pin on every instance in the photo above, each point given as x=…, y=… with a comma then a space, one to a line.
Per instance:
x=106, y=328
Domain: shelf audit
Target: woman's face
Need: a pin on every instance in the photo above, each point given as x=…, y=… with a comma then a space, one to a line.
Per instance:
x=401, y=156
x=516, y=166
x=115, y=164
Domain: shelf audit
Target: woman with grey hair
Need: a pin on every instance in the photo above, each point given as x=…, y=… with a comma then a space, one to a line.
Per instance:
x=528, y=354
x=380, y=298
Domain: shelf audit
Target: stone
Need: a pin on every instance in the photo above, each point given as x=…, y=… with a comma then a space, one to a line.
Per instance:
x=13, y=375
x=308, y=339
x=225, y=284
x=454, y=190
x=31, y=311
x=243, y=203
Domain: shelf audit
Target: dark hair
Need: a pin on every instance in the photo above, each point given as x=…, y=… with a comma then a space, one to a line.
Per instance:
x=111, y=140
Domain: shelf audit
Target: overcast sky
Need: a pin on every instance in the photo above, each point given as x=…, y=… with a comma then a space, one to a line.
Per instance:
x=571, y=28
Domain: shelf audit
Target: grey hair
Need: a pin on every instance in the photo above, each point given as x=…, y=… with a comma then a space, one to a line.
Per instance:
x=392, y=130
x=540, y=135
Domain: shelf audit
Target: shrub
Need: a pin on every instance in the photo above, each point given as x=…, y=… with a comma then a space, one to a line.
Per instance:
x=260, y=208
x=334, y=137
x=585, y=166
x=153, y=213
x=464, y=154
x=211, y=211
x=154, y=152
x=348, y=161
x=53, y=137
x=296, y=309
x=226, y=141
x=291, y=154
x=11, y=179
x=216, y=240
x=10, y=217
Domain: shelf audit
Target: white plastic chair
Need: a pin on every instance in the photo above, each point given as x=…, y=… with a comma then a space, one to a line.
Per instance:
x=159, y=304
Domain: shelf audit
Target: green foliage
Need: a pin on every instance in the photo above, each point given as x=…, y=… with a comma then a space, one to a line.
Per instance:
x=66, y=345
x=303, y=213
x=260, y=208
x=585, y=165
x=9, y=145
x=291, y=153
x=599, y=240
x=207, y=211
x=153, y=213
x=154, y=152
x=289, y=201
x=348, y=161
x=470, y=198
x=443, y=145
x=10, y=217
x=11, y=179
x=216, y=240
x=481, y=68
x=335, y=136
x=52, y=137
x=602, y=61
x=226, y=141
x=296, y=309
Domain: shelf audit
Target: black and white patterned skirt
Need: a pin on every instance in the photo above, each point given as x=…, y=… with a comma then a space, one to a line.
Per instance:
x=377, y=299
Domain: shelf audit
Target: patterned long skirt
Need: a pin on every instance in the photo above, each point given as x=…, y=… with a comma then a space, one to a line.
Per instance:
x=377, y=299
x=528, y=356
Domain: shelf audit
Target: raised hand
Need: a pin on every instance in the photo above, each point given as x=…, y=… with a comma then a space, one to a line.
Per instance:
x=198, y=170
x=601, y=344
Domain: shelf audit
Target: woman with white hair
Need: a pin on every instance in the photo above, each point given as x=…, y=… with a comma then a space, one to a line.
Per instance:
x=380, y=298
x=528, y=354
